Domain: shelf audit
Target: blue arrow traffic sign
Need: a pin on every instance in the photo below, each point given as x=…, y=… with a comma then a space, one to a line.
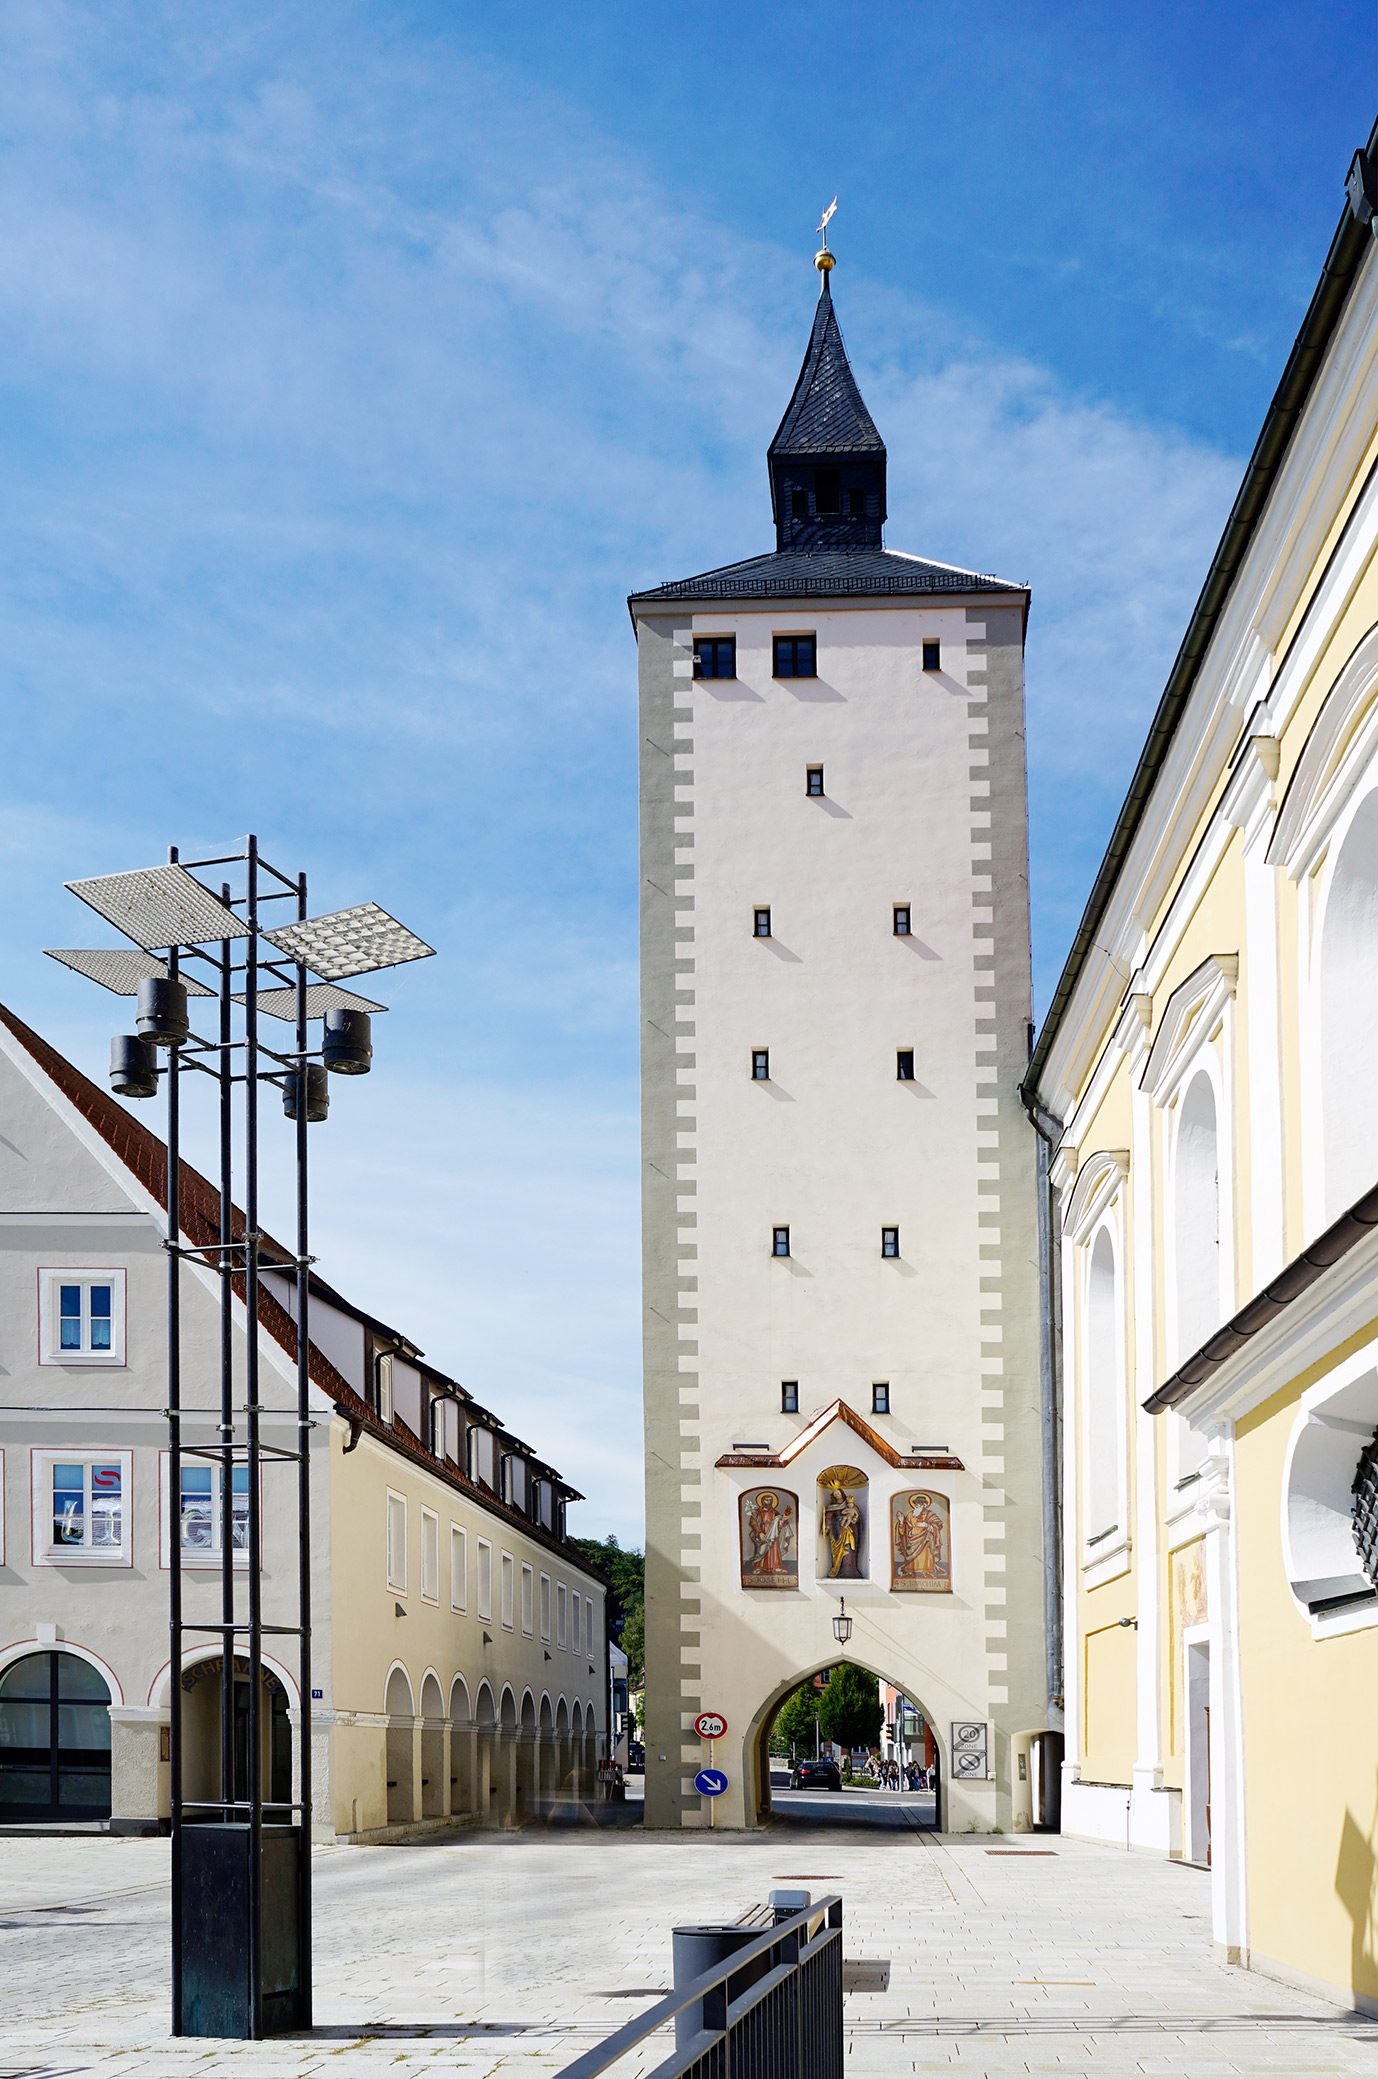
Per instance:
x=710, y=1782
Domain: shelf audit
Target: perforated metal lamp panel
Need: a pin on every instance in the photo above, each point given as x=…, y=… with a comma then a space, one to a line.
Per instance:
x=119, y=969
x=1364, y=1514
x=320, y=998
x=350, y=942
x=159, y=906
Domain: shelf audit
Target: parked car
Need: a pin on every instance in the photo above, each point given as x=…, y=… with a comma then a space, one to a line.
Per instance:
x=636, y=1757
x=816, y=1775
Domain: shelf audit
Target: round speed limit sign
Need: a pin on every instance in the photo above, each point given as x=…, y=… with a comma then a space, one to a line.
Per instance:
x=710, y=1725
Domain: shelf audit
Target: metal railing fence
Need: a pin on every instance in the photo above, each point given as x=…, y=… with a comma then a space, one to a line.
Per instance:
x=772, y=2010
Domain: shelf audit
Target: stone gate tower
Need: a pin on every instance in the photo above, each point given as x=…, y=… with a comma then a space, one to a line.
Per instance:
x=842, y=1394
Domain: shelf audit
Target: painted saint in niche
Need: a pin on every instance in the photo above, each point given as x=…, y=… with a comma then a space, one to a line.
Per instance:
x=920, y=1540
x=842, y=1522
x=769, y=1522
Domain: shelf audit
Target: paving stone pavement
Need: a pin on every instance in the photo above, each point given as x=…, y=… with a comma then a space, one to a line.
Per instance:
x=509, y=1954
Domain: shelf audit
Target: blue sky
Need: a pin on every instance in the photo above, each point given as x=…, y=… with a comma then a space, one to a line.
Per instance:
x=355, y=362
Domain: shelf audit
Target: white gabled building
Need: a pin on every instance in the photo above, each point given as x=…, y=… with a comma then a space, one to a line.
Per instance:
x=459, y=1650
x=842, y=1379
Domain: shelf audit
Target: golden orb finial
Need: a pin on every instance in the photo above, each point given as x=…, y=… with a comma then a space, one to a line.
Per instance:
x=824, y=261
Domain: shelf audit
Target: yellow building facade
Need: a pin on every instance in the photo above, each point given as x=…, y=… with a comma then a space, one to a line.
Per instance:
x=1206, y=1084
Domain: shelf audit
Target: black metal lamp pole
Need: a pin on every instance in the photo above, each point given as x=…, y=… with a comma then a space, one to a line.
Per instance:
x=241, y=1862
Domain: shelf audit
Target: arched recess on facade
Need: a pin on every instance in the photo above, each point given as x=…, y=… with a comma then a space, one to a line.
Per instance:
x=1328, y=803
x=435, y=1787
x=1103, y=1393
x=400, y=1709
x=528, y=1773
x=1200, y=1304
x=55, y=1735
x=1347, y=1006
x=203, y=1775
x=463, y=1747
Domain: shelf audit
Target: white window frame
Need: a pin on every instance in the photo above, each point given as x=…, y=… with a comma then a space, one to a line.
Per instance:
x=508, y=1591
x=396, y=1516
x=547, y=1608
x=459, y=1568
x=41, y=1481
x=1097, y=1204
x=483, y=1580
x=528, y=1593
x=50, y=1351
x=561, y=1615
x=1196, y=1034
x=430, y=1556
x=168, y=1514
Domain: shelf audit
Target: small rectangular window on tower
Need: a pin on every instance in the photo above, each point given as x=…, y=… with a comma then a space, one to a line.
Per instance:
x=904, y=1064
x=761, y=923
x=889, y=1241
x=813, y=780
x=796, y=657
x=856, y=503
x=932, y=656
x=715, y=656
x=901, y=926
x=827, y=491
x=880, y=1397
x=779, y=1241
x=789, y=1396
x=760, y=1064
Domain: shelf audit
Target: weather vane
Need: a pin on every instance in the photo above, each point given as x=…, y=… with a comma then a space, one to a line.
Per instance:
x=823, y=260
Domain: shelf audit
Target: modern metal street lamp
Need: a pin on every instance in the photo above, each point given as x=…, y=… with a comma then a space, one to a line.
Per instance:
x=241, y=1862
x=842, y=1623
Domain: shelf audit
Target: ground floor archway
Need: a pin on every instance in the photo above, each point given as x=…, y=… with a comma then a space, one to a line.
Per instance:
x=54, y=1739
x=891, y=1783
x=203, y=1708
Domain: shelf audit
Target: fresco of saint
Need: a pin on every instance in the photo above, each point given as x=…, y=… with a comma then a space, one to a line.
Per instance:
x=842, y=1518
x=769, y=1524
x=920, y=1542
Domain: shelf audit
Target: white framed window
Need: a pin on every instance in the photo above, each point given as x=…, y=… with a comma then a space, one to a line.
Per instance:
x=528, y=1599
x=82, y=1508
x=590, y=1627
x=545, y=1607
x=562, y=1615
x=509, y=1592
x=397, y=1542
x=1094, y=1234
x=81, y=1317
x=382, y=1385
x=430, y=1556
x=459, y=1568
x=484, y=1584
x=199, y=1513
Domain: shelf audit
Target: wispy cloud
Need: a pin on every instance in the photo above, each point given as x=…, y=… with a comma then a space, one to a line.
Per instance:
x=352, y=384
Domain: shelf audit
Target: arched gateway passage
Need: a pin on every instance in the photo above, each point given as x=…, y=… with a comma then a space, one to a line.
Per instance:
x=889, y=1779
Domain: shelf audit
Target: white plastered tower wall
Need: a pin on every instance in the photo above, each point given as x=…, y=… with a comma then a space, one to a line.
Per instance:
x=924, y=804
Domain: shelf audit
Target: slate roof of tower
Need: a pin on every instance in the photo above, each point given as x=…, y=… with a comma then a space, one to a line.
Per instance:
x=826, y=414
x=816, y=573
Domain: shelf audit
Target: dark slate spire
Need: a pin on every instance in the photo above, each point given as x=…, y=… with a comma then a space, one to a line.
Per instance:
x=827, y=461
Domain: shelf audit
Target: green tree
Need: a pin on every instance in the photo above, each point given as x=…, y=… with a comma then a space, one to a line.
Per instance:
x=793, y=1731
x=850, y=1708
x=624, y=1570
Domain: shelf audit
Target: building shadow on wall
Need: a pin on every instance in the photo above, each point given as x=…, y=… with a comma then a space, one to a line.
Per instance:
x=1355, y=1872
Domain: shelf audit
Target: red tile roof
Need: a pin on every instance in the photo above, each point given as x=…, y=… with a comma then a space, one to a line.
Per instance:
x=145, y=1157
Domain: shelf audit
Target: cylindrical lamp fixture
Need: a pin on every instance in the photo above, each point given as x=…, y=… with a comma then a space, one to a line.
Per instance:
x=842, y=1624
x=162, y=1013
x=317, y=1093
x=348, y=1048
x=133, y=1066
